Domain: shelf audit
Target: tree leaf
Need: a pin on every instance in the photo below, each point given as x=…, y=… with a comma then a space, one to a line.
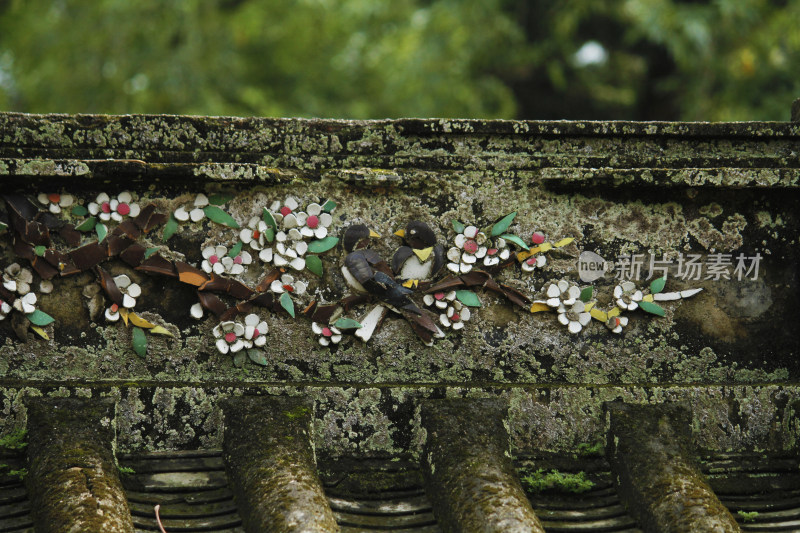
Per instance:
x=652, y=308
x=237, y=248
x=40, y=250
x=79, y=211
x=101, y=230
x=257, y=356
x=502, y=225
x=322, y=245
x=586, y=294
x=219, y=199
x=287, y=303
x=329, y=206
x=139, y=341
x=169, y=228
x=468, y=298
x=40, y=318
x=215, y=214
x=87, y=225
x=458, y=226
x=149, y=252
x=314, y=264
x=658, y=285
x=516, y=240
x=267, y=217
x=239, y=359
x=42, y=333
x=161, y=330
x=347, y=323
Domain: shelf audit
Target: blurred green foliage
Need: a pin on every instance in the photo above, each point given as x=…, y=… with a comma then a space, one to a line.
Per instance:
x=534, y=59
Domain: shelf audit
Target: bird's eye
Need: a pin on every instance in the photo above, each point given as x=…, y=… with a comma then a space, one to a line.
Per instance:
x=413, y=231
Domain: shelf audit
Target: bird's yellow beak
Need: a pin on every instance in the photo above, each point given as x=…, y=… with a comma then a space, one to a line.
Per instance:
x=373, y=234
x=400, y=233
x=424, y=253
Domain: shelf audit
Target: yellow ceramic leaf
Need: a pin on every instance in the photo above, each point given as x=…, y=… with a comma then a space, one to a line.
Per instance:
x=522, y=256
x=648, y=298
x=614, y=312
x=538, y=307
x=545, y=247
x=408, y=284
x=124, y=314
x=39, y=331
x=139, y=321
x=564, y=242
x=160, y=330
x=588, y=307
x=599, y=314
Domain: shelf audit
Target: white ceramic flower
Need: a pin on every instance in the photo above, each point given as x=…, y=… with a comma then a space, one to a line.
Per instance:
x=112, y=313
x=281, y=210
x=562, y=293
x=193, y=212
x=5, y=309
x=255, y=330
x=534, y=262
x=17, y=279
x=453, y=313
x=217, y=260
x=616, y=323
x=627, y=295
x=114, y=209
x=327, y=334
x=316, y=223
x=55, y=202
x=574, y=316
x=497, y=252
x=469, y=247
x=229, y=337
x=289, y=250
x=287, y=283
x=255, y=235
x=130, y=291
x=196, y=311
x=26, y=303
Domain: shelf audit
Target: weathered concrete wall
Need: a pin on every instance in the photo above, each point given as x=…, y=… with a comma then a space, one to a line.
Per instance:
x=616, y=188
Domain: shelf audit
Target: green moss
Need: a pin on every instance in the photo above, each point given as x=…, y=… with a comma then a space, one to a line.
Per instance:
x=14, y=440
x=541, y=481
x=590, y=450
x=747, y=516
x=126, y=471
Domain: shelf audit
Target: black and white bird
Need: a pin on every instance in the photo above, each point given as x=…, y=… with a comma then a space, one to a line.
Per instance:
x=421, y=257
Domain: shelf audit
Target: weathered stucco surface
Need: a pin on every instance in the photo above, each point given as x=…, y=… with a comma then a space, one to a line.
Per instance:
x=617, y=188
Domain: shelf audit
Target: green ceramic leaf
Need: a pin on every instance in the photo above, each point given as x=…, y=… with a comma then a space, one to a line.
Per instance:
x=650, y=307
x=257, y=356
x=3, y=226
x=458, y=226
x=239, y=359
x=267, y=217
x=347, y=323
x=40, y=318
x=269, y=234
x=503, y=224
x=237, y=248
x=658, y=285
x=170, y=228
x=586, y=294
x=329, y=206
x=149, y=252
x=287, y=303
x=468, y=298
x=139, y=341
x=516, y=240
x=79, y=211
x=39, y=250
x=219, y=199
x=215, y=214
x=322, y=245
x=314, y=264
x=87, y=225
x=101, y=230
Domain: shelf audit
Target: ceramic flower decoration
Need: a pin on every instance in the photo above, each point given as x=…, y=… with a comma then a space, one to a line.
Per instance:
x=574, y=316
x=562, y=293
x=469, y=248
x=130, y=291
x=229, y=337
x=316, y=223
x=452, y=313
x=287, y=283
x=114, y=209
x=26, y=303
x=327, y=334
x=256, y=236
x=5, y=309
x=496, y=252
x=616, y=323
x=627, y=295
x=17, y=279
x=217, y=260
x=194, y=211
x=255, y=331
x=56, y=202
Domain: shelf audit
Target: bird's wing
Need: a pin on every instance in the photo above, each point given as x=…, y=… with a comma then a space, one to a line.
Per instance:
x=400, y=257
x=438, y=259
x=358, y=266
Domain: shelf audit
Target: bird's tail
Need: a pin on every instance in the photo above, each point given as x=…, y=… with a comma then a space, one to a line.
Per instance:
x=423, y=325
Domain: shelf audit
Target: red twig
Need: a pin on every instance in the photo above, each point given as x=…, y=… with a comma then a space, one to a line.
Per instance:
x=158, y=520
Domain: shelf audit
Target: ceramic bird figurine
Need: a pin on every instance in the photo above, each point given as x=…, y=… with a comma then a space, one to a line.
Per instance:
x=421, y=257
x=366, y=272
